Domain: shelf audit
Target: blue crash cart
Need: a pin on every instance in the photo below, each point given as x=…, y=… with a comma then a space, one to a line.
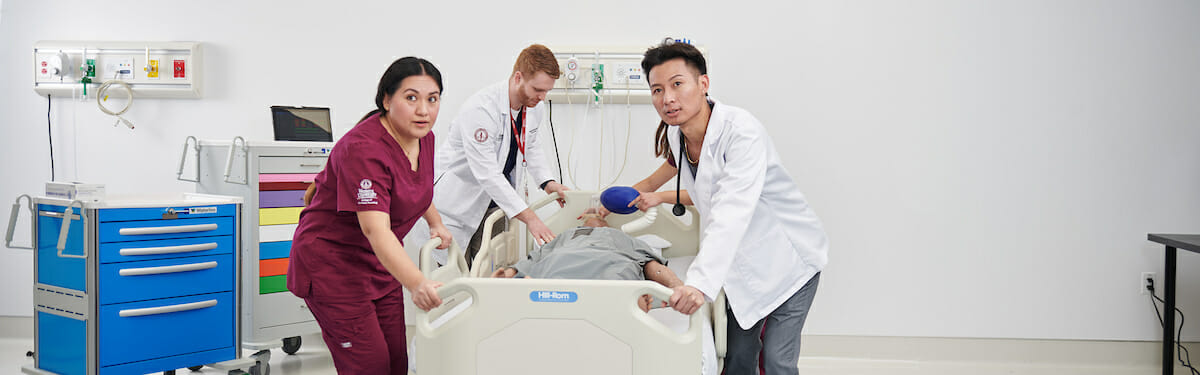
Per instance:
x=138, y=285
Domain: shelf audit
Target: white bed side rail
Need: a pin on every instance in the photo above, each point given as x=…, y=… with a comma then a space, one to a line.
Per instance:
x=609, y=305
x=490, y=246
x=456, y=268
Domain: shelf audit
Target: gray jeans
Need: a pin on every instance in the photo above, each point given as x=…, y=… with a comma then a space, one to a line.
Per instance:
x=779, y=343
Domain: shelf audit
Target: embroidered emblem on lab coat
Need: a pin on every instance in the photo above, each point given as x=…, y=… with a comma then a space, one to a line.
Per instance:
x=481, y=135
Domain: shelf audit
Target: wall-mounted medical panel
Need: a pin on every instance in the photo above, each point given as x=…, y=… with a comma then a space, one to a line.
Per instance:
x=152, y=69
x=601, y=74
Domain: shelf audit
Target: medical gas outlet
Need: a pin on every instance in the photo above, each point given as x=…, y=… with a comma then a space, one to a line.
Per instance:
x=597, y=81
x=602, y=74
x=150, y=69
x=572, y=71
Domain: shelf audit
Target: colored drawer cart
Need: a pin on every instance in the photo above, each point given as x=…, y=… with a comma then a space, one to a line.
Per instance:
x=271, y=177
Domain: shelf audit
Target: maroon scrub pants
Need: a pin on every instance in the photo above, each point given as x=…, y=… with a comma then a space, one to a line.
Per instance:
x=365, y=337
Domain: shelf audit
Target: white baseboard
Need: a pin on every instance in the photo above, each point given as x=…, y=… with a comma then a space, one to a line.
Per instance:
x=920, y=355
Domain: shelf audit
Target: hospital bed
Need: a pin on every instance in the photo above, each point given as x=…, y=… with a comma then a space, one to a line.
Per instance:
x=544, y=326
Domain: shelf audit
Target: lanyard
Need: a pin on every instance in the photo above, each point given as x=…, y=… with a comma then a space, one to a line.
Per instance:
x=520, y=137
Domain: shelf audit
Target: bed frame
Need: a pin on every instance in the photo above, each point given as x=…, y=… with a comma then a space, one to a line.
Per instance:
x=543, y=326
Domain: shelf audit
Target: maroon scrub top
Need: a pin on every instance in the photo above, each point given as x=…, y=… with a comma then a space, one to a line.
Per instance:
x=331, y=260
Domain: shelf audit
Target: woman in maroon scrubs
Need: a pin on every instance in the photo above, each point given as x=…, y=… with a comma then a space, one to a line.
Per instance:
x=347, y=259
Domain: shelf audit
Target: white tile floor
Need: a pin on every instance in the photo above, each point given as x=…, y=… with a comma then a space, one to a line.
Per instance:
x=313, y=358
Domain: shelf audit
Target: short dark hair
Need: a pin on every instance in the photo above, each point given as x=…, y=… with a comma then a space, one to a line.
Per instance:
x=662, y=53
x=658, y=55
x=397, y=72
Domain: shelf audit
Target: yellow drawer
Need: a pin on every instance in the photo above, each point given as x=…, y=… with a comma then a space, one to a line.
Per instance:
x=277, y=216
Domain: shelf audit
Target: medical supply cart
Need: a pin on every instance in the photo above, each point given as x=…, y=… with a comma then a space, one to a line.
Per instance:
x=271, y=177
x=141, y=284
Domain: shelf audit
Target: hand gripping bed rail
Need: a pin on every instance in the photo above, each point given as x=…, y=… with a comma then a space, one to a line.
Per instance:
x=183, y=159
x=486, y=247
x=12, y=222
x=507, y=309
x=445, y=273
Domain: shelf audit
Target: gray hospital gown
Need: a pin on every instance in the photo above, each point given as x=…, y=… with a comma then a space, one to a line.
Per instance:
x=590, y=253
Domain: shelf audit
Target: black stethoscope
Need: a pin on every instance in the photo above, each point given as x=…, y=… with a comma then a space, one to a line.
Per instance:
x=678, y=209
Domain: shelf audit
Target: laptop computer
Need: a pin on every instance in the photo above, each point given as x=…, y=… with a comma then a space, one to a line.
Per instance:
x=302, y=124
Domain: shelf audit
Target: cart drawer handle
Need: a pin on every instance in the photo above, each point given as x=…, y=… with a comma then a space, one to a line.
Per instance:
x=168, y=309
x=168, y=249
x=167, y=230
x=166, y=269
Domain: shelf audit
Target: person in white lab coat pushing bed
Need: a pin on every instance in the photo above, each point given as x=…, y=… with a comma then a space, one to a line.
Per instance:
x=760, y=240
x=492, y=142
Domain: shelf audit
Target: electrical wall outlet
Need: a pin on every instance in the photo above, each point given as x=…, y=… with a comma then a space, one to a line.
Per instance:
x=1147, y=280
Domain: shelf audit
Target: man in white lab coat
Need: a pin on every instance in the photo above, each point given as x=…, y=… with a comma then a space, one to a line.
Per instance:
x=492, y=142
x=760, y=240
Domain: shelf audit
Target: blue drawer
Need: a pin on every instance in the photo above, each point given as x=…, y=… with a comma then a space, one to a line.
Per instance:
x=205, y=323
x=156, y=213
x=135, y=281
x=164, y=229
x=172, y=363
x=162, y=249
x=274, y=250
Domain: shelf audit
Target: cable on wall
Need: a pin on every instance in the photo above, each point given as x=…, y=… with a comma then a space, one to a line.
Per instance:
x=1182, y=354
x=50, y=135
x=101, y=96
x=557, y=158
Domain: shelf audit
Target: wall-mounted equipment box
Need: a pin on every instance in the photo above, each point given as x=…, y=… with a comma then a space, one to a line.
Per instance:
x=608, y=74
x=66, y=68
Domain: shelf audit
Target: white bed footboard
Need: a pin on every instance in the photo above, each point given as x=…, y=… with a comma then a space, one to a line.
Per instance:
x=550, y=326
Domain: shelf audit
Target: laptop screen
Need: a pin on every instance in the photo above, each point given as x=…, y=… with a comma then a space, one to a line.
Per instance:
x=302, y=124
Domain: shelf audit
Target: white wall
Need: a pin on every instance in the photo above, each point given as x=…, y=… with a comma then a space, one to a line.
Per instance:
x=984, y=168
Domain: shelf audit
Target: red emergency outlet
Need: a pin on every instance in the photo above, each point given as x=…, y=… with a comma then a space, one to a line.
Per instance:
x=180, y=69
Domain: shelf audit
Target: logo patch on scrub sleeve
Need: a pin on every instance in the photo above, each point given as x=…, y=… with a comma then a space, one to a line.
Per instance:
x=481, y=135
x=366, y=195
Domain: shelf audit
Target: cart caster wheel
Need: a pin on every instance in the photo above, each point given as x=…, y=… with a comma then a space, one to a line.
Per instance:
x=262, y=356
x=291, y=345
x=195, y=368
x=262, y=368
